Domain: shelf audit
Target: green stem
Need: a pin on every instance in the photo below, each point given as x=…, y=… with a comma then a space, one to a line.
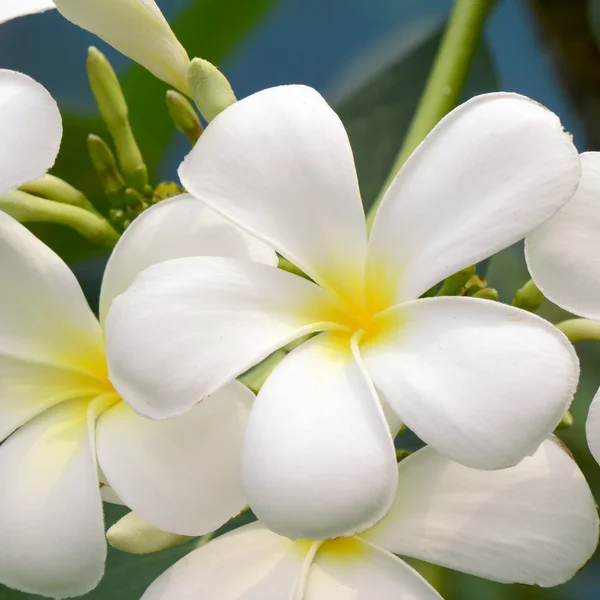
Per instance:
x=578, y=330
x=31, y=209
x=446, y=80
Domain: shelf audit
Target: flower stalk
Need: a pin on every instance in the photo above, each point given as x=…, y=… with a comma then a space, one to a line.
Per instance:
x=26, y=208
x=579, y=330
x=446, y=80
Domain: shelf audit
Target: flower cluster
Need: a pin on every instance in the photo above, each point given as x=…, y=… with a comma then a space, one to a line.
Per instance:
x=142, y=405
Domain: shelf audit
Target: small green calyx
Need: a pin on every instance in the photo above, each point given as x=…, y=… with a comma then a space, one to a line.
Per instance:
x=528, y=297
x=209, y=88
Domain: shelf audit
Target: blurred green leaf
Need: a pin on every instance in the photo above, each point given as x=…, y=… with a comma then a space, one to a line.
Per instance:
x=593, y=11
x=377, y=114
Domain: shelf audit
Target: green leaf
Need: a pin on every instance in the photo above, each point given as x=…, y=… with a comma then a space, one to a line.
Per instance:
x=377, y=115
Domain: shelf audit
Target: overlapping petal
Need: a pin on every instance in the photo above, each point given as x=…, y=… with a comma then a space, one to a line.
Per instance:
x=481, y=382
x=592, y=427
x=362, y=571
x=490, y=172
x=535, y=523
x=10, y=9
x=175, y=228
x=52, y=528
x=31, y=128
x=183, y=474
x=44, y=317
x=136, y=28
x=188, y=326
x=279, y=164
x=318, y=459
x=563, y=255
x=251, y=563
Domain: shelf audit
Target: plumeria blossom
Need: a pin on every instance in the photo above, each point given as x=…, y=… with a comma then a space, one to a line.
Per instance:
x=563, y=257
x=137, y=28
x=481, y=382
x=65, y=432
x=535, y=524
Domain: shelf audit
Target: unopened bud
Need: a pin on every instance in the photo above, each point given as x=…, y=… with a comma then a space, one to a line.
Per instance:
x=402, y=454
x=184, y=116
x=528, y=297
x=54, y=188
x=566, y=422
x=209, y=88
x=487, y=294
x=165, y=190
x=113, y=109
x=474, y=284
x=106, y=167
x=455, y=284
x=135, y=535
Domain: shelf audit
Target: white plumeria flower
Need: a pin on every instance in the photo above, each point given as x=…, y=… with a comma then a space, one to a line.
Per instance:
x=563, y=257
x=481, y=382
x=137, y=28
x=61, y=418
x=534, y=524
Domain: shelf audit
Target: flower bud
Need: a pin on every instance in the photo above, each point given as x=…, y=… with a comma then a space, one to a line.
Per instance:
x=106, y=167
x=184, y=116
x=135, y=535
x=113, y=108
x=54, y=188
x=528, y=297
x=136, y=28
x=209, y=88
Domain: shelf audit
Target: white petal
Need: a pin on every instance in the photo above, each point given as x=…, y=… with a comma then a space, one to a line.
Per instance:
x=11, y=9
x=31, y=130
x=175, y=228
x=279, y=164
x=28, y=388
x=318, y=460
x=188, y=326
x=592, y=427
x=563, y=255
x=44, y=316
x=51, y=528
x=136, y=28
x=535, y=523
x=356, y=570
x=183, y=474
x=481, y=382
x=250, y=563
x=490, y=172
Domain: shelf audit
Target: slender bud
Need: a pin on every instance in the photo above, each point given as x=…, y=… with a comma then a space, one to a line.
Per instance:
x=184, y=116
x=566, y=422
x=135, y=535
x=455, y=284
x=106, y=167
x=54, y=188
x=26, y=208
x=209, y=88
x=113, y=108
x=528, y=297
x=487, y=294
